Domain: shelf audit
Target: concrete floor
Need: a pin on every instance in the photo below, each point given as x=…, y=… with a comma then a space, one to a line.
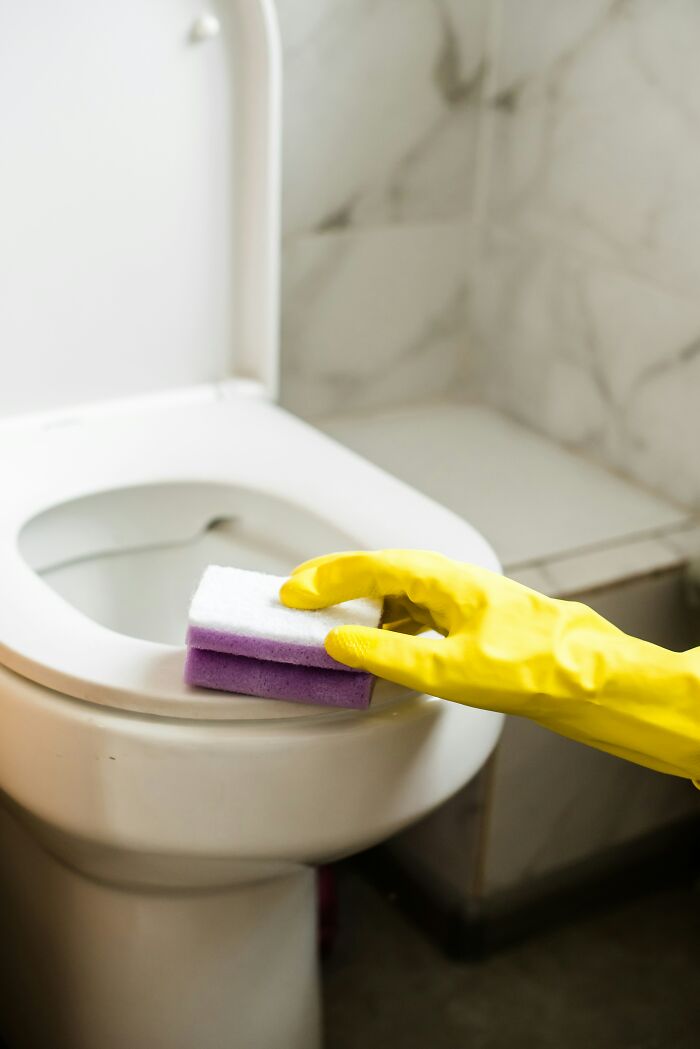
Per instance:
x=625, y=978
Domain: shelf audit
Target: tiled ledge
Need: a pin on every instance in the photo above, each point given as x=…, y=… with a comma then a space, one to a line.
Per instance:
x=592, y=570
x=570, y=528
x=559, y=522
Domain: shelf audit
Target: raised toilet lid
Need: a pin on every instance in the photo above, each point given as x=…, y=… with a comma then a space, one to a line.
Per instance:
x=140, y=199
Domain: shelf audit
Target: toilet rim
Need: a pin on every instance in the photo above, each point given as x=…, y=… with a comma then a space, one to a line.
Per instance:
x=50, y=642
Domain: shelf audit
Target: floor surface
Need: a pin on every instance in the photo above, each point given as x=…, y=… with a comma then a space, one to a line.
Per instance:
x=625, y=978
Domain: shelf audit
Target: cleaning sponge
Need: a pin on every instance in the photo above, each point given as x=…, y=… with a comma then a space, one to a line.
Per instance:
x=241, y=638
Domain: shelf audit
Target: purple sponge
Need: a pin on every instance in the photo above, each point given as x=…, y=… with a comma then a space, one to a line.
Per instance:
x=266, y=648
x=241, y=638
x=270, y=680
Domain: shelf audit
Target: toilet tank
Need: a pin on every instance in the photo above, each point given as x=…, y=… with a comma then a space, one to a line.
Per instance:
x=140, y=198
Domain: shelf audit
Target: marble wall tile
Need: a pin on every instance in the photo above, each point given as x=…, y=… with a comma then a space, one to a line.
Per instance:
x=381, y=101
x=443, y=850
x=597, y=131
x=591, y=354
x=611, y=566
x=551, y=805
x=535, y=34
x=372, y=318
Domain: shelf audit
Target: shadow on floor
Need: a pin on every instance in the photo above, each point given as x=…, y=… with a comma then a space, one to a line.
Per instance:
x=623, y=978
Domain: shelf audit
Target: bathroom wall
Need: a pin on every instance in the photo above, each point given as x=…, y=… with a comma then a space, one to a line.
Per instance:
x=381, y=103
x=584, y=323
x=498, y=199
x=495, y=200
x=585, y=312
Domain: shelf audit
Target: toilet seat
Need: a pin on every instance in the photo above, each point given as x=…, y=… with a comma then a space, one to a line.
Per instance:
x=215, y=436
x=155, y=282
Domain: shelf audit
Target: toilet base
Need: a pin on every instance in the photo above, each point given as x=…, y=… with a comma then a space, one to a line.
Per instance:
x=86, y=965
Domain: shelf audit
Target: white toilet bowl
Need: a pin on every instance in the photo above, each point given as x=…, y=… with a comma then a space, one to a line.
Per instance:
x=156, y=886
x=159, y=891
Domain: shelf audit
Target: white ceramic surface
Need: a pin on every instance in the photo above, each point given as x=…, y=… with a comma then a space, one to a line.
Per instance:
x=95, y=964
x=132, y=779
x=140, y=202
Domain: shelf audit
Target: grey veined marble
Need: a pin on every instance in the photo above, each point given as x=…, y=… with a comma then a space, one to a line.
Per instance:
x=380, y=99
x=372, y=318
x=586, y=290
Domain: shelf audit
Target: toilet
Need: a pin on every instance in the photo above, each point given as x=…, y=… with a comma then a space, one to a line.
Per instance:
x=157, y=888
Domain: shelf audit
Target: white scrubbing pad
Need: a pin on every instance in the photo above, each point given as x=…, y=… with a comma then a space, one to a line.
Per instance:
x=247, y=604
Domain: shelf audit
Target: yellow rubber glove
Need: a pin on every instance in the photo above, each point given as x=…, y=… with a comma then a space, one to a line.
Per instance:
x=510, y=649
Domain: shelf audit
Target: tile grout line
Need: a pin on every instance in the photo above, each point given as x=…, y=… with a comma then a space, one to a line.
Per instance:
x=660, y=534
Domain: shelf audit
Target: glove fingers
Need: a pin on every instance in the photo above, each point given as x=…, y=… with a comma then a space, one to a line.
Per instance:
x=397, y=657
x=335, y=578
x=313, y=562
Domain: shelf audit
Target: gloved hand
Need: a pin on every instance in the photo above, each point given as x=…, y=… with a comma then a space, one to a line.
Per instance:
x=510, y=649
